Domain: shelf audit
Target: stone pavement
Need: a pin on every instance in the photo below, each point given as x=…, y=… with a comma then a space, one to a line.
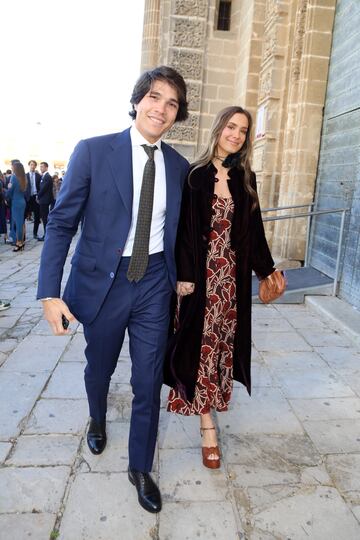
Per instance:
x=291, y=452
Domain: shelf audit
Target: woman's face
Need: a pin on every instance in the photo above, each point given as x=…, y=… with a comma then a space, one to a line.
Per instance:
x=233, y=135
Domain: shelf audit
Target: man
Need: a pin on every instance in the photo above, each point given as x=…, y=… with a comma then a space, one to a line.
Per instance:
x=33, y=188
x=45, y=195
x=123, y=270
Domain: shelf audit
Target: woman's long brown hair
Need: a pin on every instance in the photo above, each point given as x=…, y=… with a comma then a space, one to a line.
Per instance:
x=19, y=172
x=221, y=119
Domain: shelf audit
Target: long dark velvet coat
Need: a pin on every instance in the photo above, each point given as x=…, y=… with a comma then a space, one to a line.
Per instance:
x=252, y=253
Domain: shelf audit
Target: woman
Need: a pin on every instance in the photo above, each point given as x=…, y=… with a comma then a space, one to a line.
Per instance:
x=56, y=189
x=16, y=193
x=220, y=241
x=3, y=226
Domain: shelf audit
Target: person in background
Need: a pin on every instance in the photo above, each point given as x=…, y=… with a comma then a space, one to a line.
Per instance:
x=56, y=188
x=33, y=187
x=3, y=224
x=45, y=195
x=16, y=194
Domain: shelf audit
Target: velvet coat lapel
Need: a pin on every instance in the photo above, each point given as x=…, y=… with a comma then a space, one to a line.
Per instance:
x=252, y=253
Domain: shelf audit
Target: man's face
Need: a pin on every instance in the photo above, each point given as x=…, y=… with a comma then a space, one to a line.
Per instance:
x=43, y=168
x=156, y=112
x=32, y=166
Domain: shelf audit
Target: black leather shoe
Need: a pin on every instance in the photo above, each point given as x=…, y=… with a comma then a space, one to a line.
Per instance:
x=96, y=437
x=41, y=238
x=148, y=493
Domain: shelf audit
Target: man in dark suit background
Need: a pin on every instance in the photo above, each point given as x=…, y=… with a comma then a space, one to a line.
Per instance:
x=45, y=195
x=32, y=189
x=107, y=187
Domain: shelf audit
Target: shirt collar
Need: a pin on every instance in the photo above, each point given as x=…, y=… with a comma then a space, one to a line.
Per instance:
x=138, y=140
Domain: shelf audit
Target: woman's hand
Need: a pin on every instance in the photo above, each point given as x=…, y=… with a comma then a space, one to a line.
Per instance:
x=184, y=288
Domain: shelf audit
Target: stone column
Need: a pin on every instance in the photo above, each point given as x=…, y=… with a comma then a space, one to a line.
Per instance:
x=150, y=41
x=272, y=90
x=187, y=33
x=307, y=88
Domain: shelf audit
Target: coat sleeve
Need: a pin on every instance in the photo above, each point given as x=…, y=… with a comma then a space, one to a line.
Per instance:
x=261, y=260
x=185, y=256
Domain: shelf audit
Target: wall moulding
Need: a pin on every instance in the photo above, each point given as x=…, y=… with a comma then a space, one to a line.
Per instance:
x=188, y=63
x=192, y=8
x=188, y=33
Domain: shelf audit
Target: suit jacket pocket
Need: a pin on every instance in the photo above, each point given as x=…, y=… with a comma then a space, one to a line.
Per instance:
x=83, y=262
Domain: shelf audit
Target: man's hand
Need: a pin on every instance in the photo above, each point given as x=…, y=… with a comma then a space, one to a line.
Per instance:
x=54, y=309
x=184, y=287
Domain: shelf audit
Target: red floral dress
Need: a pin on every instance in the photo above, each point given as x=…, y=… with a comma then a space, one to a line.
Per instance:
x=215, y=377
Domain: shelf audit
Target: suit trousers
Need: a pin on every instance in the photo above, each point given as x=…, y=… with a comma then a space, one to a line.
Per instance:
x=143, y=309
x=33, y=206
x=44, y=213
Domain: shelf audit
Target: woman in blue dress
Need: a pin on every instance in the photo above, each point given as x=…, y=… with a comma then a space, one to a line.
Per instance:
x=16, y=194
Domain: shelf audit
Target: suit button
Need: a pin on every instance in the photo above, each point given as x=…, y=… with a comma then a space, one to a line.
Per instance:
x=112, y=275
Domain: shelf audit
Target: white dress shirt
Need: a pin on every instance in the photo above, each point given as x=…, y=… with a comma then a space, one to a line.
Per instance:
x=33, y=183
x=139, y=158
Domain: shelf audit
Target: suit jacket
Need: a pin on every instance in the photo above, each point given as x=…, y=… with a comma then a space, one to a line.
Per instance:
x=28, y=185
x=45, y=193
x=98, y=188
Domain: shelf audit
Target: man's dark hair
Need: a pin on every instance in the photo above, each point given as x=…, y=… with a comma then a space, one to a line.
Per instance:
x=32, y=161
x=44, y=163
x=166, y=74
x=8, y=171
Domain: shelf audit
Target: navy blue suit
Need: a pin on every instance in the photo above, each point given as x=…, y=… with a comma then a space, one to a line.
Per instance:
x=98, y=189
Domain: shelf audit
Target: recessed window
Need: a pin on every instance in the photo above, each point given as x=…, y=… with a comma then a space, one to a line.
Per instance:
x=224, y=16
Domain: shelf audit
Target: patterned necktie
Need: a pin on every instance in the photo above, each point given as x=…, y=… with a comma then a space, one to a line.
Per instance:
x=140, y=253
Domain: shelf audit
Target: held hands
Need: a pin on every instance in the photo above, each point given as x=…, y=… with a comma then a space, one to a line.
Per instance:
x=184, y=288
x=54, y=309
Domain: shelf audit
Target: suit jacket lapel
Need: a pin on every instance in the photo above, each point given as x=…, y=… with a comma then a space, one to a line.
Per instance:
x=120, y=159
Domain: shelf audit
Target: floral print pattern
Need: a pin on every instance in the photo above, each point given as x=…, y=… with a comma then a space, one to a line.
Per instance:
x=215, y=376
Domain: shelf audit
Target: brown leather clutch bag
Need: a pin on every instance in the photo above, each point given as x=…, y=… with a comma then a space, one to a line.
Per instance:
x=272, y=287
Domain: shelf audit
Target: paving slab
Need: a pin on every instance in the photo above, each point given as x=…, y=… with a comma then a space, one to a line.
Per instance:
x=67, y=381
x=178, y=431
x=14, y=410
x=325, y=337
x=58, y=416
x=4, y=450
x=340, y=357
x=276, y=324
x=42, y=450
x=75, y=349
x=345, y=473
x=114, y=514
x=326, y=408
x=183, y=477
x=266, y=411
x=318, y=513
x=26, y=526
x=305, y=383
x=119, y=402
x=32, y=489
x=10, y=317
x=335, y=436
x=295, y=448
x=201, y=520
x=280, y=341
x=33, y=356
x=293, y=360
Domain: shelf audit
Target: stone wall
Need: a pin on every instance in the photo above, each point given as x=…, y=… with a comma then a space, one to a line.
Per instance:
x=274, y=62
